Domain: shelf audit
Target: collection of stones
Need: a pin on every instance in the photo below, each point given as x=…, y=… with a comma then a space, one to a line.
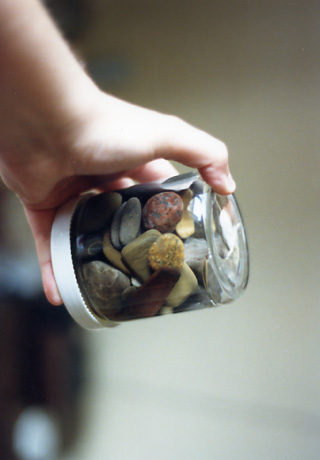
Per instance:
x=141, y=252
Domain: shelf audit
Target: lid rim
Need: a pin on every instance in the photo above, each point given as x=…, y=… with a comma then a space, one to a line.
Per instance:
x=63, y=269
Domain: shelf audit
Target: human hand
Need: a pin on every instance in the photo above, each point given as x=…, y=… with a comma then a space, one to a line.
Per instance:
x=64, y=136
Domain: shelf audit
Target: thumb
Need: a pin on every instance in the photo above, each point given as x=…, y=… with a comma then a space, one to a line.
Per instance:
x=41, y=222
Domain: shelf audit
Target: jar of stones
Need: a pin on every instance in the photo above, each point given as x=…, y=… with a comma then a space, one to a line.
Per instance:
x=148, y=250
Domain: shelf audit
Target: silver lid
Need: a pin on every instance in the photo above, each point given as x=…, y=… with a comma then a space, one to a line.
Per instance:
x=64, y=271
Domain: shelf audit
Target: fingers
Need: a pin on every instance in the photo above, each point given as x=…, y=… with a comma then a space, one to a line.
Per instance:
x=197, y=149
x=154, y=170
x=41, y=222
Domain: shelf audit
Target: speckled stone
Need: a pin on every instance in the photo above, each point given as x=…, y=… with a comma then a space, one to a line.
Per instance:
x=130, y=221
x=104, y=285
x=162, y=211
x=149, y=298
x=113, y=255
x=185, y=287
x=135, y=254
x=98, y=212
x=167, y=251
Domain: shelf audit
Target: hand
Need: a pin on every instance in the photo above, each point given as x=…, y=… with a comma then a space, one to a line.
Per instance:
x=63, y=136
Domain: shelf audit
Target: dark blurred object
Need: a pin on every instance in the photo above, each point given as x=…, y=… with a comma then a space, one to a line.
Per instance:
x=41, y=365
x=71, y=16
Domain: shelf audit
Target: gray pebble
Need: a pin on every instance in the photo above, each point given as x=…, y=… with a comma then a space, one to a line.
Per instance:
x=195, y=250
x=130, y=221
x=115, y=227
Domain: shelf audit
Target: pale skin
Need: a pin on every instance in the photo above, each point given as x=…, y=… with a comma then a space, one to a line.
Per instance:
x=60, y=135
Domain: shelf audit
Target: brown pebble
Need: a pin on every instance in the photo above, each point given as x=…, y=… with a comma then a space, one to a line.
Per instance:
x=149, y=298
x=166, y=251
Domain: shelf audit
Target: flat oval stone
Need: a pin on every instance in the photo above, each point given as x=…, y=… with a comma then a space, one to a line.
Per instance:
x=184, y=288
x=166, y=251
x=115, y=227
x=130, y=221
x=149, y=298
x=162, y=211
x=182, y=181
x=135, y=254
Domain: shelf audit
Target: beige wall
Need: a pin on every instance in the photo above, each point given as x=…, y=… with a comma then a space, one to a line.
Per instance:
x=240, y=382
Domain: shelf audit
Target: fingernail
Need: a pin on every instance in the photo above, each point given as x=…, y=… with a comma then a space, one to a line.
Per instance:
x=231, y=183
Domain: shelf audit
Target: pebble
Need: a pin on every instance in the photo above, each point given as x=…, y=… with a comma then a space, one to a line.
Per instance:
x=196, y=249
x=115, y=227
x=135, y=254
x=181, y=182
x=130, y=221
x=167, y=251
x=185, y=287
x=197, y=187
x=89, y=246
x=149, y=298
x=113, y=255
x=142, y=191
x=98, y=212
x=127, y=293
x=162, y=211
x=105, y=283
x=186, y=197
x=186, y=228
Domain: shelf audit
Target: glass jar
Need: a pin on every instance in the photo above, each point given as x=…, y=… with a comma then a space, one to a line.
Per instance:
x=148, y=250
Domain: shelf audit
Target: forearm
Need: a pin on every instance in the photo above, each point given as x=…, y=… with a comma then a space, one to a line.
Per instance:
x=40, y=79
x=34, y=54
x=43, y=91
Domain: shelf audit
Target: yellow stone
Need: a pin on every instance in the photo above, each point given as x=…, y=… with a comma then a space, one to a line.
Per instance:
x=167, y=251
x=186, y=228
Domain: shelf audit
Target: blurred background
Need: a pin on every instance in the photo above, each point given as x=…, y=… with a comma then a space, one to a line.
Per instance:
x=241, y=382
